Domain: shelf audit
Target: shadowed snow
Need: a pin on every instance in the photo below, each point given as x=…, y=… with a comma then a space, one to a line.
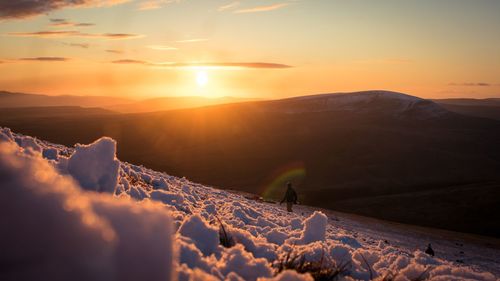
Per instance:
x=56, y=229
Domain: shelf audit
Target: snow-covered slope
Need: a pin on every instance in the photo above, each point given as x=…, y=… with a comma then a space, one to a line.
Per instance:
x=392, y=103
x=80, y=214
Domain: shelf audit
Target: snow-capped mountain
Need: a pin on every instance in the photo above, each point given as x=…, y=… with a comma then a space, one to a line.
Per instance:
x=81, y=214
x=391, y=103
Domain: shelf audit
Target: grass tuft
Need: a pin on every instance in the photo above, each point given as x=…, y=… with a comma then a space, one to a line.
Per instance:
x=317, y=269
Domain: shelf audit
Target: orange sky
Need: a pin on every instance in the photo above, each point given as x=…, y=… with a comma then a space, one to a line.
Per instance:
x=262, y=49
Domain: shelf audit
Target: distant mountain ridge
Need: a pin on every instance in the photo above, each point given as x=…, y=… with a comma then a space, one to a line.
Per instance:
x=117, y=104
x=9, y=99
x=485, y=108
x=393, y=103
x=173, y=103
x=470, y=101
x=397, y=104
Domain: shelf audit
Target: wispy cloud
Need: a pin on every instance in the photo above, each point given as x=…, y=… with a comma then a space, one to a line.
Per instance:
x=229, y=6
x=206, y=64
x=79, y=45
x=45, y=59
x=473, y=84
x=14, y=9
x=57, y=20
x=262, y=8
x=114, y=35
x=130, y=61
x=113, y=51
x=73, y=33
x=192, y=40
x=154, y=4
x=162, y=48
x=384, y=61
x=66, y=23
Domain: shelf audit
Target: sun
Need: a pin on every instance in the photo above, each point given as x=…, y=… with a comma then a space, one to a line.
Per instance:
x=201, y=78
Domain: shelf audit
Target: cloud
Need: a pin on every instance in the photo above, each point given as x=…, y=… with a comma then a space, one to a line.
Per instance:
x=262, y=8
x=162, y=48
x=476, y=84
x=229, y=6
x=114, y=51
x=232, y=64
x=113, y=35
x=79, y=45
x=129, y=61
x=45, y=59
x=57, y=20
x=154, y=4
x=45, y=34
x=268, y=65
x=65, y=23
x=384, y=61
x=192, y=40
x=74, y=33
x=13, y=9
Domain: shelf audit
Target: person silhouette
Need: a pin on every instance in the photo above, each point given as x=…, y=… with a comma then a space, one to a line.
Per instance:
x=290, y=197
x=429, y=250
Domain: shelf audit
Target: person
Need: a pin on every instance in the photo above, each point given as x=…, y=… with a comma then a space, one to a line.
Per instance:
x=290, y=197
x=429, y=250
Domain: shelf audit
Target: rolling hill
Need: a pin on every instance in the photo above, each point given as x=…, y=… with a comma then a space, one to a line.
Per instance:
x=122, y=105
x=401, y=156
x=486, y=108
x=14, y=100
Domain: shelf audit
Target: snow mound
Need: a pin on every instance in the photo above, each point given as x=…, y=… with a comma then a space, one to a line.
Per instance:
x=95, y=165
x=205, y=237
x=80, y=214
x=56, y=230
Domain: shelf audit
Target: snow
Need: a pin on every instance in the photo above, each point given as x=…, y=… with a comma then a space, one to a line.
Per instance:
x=95, y=166
x=55, y=229
x=314, y=229
x=80, y=214
x=243, y=263
x=50, y=153
x=365, y=101
x=204, y=236
x=289, y=275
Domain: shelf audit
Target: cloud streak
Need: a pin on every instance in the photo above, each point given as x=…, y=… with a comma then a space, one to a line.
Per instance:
x=74, y=33
x=228, y=6
x=195, y=40
x=474, y=84
x=162, y=48
x=267, y=65
x=55, y=59
x=154, y=4
x=129, y=61
x=113, y=51
x=259, y=9
x=79, y=45
x=14, y=9
x=66, y=23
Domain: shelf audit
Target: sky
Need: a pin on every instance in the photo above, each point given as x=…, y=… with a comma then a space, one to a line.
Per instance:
x=250, y=48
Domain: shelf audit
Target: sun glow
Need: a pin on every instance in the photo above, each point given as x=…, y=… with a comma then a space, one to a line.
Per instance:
x=201, y=78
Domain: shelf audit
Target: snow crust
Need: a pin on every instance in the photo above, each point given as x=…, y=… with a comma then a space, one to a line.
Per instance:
x=80, y=214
